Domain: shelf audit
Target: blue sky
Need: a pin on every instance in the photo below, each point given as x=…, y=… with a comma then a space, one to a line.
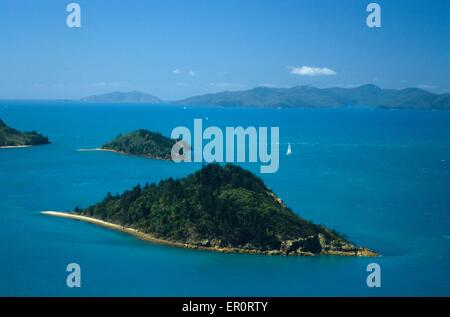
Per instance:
x=174, y=49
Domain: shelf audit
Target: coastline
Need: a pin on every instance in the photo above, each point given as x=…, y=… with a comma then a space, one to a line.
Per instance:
x=122, y=153
x=149, y=238
x=14, y=146
x=138, y=234
x=141, y=235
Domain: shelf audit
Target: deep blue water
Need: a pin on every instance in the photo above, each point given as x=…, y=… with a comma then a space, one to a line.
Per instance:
x=381, y=177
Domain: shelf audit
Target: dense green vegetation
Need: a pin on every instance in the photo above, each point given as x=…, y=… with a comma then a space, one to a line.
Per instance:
x=143, y=143
x=13, y=137
x=223, y=206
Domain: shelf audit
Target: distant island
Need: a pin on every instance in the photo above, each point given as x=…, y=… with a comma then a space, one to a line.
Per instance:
x=10, y=137
x=142, y=143
x=219, y=208
x=123, y=97
x=309, y=96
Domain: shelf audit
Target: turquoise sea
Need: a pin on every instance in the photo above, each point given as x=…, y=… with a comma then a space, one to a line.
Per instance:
x=382, y=177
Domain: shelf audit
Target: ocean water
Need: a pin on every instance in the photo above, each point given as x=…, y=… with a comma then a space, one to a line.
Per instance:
x=381, y=177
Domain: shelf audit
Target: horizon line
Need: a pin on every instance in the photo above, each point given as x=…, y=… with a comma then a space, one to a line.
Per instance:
x=220, y=91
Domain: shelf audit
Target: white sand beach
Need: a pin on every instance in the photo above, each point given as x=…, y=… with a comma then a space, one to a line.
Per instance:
x=134, y=232
x=14, y=146
x=141, y=235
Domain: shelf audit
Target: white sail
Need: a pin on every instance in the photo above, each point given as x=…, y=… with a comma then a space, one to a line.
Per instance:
x=289, y=149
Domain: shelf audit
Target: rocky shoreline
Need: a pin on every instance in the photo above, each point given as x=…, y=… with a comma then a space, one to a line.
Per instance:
x=310, y=246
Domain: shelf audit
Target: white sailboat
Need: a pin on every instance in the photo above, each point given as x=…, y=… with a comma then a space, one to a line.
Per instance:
x=289, y=149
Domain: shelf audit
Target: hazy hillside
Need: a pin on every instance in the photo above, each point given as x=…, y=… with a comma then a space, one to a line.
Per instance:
x=132, y=96
x=309, y=96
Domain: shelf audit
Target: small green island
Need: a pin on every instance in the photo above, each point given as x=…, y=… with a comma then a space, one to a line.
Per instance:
x=142, y=143
x=220, y=208
x=10, y=137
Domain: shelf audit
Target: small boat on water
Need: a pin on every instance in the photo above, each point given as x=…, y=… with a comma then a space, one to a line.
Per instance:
x=289, y=149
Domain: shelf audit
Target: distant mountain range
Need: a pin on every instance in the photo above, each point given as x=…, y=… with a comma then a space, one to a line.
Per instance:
x=132, y=96
x=300, y=96
x=309, y=96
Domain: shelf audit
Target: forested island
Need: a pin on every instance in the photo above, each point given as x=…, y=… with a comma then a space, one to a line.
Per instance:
x=142, y=143
x=10, y=137
x=221, y=208
x=335, y=97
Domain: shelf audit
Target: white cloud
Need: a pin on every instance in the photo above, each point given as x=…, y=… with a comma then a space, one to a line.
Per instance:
x=114, y=84
x=178, y=71
x=312, y=71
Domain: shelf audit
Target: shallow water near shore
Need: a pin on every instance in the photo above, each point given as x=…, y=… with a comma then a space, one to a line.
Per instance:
x=381, y=177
